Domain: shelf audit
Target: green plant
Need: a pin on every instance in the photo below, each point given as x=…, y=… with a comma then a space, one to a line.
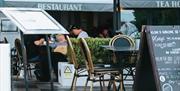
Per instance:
x=99, y=55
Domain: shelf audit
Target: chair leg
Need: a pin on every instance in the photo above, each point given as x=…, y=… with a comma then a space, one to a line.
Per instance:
x=110, y=83
x=30, y=73
x=73, y=85
x=121, y=86
x=114, y=86
x=86, y=84
x=91, y=88
x=103, y=81
x=17, y=76
x=101, y=84
x=132, y=73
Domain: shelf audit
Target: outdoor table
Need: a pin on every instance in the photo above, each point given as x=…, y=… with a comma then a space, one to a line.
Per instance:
x=124, y=51
x=120, y=49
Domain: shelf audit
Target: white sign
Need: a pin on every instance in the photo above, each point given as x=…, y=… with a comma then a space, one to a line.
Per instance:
x=5, y=68
x=33, y=20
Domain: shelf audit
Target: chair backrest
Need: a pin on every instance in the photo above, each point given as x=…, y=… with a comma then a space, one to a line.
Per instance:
x=122, y=41
x=18, y=47
x=72, y=52
x=110, y=42
x=5, y=40
x=87, y=54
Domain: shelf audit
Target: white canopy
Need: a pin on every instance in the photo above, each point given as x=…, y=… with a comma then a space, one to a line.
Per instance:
x=64, y=5
x=91, y=5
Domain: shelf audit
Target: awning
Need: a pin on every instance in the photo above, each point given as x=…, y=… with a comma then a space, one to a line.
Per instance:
x=150, y=3
x=91, y=5
x=64, y=5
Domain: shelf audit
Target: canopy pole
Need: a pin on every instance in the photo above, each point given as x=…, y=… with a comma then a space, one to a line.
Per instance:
x=114, y=16
x=118, y=14
x=24, y=61
x=50, y=63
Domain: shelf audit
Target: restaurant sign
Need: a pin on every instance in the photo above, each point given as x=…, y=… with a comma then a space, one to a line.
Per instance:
x=150, y=3
x=168, y=4
x=63, y=5
x=60, y=6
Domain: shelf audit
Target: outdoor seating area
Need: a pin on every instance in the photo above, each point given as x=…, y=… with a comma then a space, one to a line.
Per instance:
x=65, y=62
x=108, y=74
x=89, y=45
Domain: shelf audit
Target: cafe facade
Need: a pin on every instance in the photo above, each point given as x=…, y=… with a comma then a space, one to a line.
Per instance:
x=93, y=13
x=88, y=13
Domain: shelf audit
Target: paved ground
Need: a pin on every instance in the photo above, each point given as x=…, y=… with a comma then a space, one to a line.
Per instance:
x=45, y=86
x=34, y=85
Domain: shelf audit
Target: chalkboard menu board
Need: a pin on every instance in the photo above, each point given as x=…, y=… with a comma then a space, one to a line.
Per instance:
x=166, y=46
x=161, y=48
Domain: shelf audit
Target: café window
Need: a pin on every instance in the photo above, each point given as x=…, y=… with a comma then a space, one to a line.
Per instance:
x=155, y=16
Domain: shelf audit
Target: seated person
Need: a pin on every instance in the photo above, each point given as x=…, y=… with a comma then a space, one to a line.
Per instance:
x=60, y=45
x=129, y=29
x=59, y=52
x=36, y=52
x=79, y=32
x=104, y=33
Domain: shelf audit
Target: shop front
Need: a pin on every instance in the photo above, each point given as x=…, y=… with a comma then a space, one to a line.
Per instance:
x=87, y=13
x=154, y=12
x=93, y=13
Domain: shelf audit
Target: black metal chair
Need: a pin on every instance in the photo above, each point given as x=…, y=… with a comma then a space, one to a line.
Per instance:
x=18, y=47
x=126, y=61
x=5, y=40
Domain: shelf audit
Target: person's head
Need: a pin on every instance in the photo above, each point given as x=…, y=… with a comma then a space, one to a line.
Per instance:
x=104, y=32
x=60, y=37
x=76, y=30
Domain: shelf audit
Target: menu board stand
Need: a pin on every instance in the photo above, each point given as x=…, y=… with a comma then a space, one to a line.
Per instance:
x=24, y=61
x=145, y=79
x=158, y=68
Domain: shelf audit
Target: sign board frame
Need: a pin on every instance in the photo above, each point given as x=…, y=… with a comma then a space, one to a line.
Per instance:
x=145, y=70
x=148, y=73
x=9, y=13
